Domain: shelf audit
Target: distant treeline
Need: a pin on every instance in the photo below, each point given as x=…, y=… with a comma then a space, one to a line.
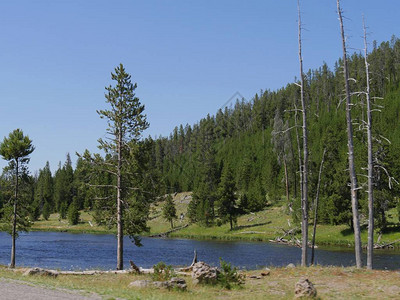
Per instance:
x=256, y=143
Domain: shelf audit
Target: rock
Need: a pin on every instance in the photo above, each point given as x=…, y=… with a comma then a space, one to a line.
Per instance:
x=175, y=282
x=266, y=272
x=304, y=288
x=290, y=266
x=161, y=284
x=204, y=273
x=140, y=283
x=178, y=283
x=254, y=277
x=41, y=272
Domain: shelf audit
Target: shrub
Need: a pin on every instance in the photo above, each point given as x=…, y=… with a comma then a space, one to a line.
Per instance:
x=162, y=272
x=46, y=211
x=229, y=275
x=63, y=211
x=73, y=214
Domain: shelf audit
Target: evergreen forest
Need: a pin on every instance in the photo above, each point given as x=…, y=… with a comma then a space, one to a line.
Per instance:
x=245, y=157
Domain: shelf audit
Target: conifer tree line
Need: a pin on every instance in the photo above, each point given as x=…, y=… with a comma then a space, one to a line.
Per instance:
x=265, y=164
x=240, y=160
x=239, y=141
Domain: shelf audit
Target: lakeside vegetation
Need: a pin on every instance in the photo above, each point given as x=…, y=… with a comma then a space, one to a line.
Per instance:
x=264, y=225
x=237, y=164
x=330, y=282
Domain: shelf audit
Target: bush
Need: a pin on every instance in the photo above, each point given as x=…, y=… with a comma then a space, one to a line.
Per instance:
x=229, y=275
x=63, y=211
x=46, y=211
x=162, y=272
x=73, y=214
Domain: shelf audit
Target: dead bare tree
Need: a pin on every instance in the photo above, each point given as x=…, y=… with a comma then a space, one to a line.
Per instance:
x=304, y=198
x=316, y=207
x=370, y=245
x=350, y=144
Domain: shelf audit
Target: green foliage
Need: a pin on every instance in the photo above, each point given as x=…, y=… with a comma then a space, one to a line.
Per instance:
x=44, y=192
x=169, y=210
x=226, y=202
x=46, y=211
x=73, y=214
x=162, y=272
x=63, y=211
x=64, y=189
x=16, y=147
x=229, y=276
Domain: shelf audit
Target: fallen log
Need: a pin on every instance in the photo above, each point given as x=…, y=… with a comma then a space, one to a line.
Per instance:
x=249, y=232
x=386, y=245
x=190, y=268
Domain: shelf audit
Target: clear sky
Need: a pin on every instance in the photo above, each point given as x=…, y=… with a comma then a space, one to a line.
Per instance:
x=187, y=57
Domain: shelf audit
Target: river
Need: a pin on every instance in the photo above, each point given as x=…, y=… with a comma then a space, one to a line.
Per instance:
x=67, y=251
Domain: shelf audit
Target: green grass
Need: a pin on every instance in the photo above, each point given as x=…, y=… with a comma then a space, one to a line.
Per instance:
x=86, y=225
x=261, y=226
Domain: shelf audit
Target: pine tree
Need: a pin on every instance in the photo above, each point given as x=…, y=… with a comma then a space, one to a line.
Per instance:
x=44, y=190
x=126, y=122
x=73, y=214
x=16, y=149
x=226, y=202
x=169, y=210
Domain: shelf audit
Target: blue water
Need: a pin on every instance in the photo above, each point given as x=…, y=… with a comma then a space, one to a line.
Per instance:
x=66, y=251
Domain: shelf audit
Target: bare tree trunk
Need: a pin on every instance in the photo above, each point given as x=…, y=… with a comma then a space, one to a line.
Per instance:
x=304, y=202
x=286, y=181
x=316, y=207
x=299, y=156
x=370, y=245
x=14, y=226
x=352, y=172
x=120, y=231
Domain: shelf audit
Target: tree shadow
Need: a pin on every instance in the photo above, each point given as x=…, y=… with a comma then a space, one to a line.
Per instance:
x=347, y=231
x=391, y=229
x=250, y=225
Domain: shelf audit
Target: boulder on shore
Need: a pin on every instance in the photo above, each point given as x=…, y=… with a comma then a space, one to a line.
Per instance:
x=290, y=266
x=174, y=283
x=41, y=272
x=204, y=273
x=304, y=289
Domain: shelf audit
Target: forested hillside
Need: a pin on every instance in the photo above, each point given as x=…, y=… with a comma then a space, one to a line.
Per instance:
x=258, y=142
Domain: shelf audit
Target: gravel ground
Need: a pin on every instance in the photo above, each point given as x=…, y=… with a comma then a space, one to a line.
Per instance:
x=18, y=290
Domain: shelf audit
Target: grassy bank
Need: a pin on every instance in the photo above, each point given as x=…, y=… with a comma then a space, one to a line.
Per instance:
x=261, y=226
x=330, y=282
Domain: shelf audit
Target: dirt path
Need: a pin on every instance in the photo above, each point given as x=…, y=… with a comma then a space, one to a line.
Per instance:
x=19, y=290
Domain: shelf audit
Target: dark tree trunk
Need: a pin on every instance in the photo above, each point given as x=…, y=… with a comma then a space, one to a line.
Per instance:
x=120, y=230
x=14, y=225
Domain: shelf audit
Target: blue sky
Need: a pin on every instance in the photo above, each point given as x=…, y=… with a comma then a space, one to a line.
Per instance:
x=187, y=57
